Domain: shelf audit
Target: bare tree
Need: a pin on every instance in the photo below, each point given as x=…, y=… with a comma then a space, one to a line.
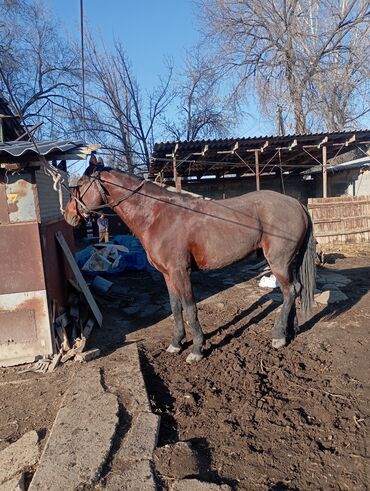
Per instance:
x=117, y=114
x=38, y=64
x=202, y=112
x=306, y=57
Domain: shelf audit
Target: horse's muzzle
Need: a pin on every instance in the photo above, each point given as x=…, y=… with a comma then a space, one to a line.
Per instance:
x=72, y=219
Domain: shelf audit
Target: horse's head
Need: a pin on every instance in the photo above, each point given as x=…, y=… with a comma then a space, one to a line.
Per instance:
x=85, y=197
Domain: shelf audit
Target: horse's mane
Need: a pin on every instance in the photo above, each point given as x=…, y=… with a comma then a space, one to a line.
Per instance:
x=160, y=191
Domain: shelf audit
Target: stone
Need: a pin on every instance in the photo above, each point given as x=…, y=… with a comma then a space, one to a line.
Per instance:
x=15, y=484
x=176, y=460
x=135, y=476
x=15, y=458
x=329, y=286
x=87, y=355
x=141, y=439
x=196, y=485
x=330, y=277
x=330, y=296
x=81, y=437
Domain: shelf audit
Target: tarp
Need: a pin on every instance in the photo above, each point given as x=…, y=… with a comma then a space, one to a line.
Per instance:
x=110, y=260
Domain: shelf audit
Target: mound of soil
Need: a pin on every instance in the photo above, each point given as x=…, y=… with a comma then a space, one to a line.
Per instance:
x=258, y=418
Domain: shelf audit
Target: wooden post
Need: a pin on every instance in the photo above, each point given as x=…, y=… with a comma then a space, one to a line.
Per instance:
x=176, y=177
x=324, y=173
x=257, y=159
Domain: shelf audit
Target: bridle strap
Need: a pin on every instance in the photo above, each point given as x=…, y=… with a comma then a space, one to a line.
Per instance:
x=96, y=179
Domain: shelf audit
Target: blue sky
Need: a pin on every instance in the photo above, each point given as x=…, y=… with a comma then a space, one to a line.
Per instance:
x=150, y=31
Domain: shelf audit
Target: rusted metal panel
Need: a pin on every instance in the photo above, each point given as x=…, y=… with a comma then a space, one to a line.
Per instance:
x=22, y=267
x=4, y=216
x=56, y=268
x=21, y=199
x=48, y=198
x=17, y=327
x=25, y=332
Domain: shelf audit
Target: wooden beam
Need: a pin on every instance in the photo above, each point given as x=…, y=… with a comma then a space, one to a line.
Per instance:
x=79, y=278
x=292, y=145
x=323, y=141
x=30, y=130
x=203, y=152
x=232, y=151
x=257, y=162
x=324, y=173
x=264, y=146
x=176, y=177
x=350, y=140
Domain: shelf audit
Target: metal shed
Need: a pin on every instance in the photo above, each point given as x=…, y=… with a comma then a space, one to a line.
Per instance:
x=34, y=274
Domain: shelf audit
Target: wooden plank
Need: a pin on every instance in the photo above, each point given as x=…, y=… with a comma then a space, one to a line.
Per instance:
x=79, y=278
x=342, y=232
x=331, y=203
x=257, y=162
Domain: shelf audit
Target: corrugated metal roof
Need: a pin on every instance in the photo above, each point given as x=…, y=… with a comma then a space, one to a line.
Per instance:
x=352, y=164
x=236, y=155
x=246, y=141
x=20, y=148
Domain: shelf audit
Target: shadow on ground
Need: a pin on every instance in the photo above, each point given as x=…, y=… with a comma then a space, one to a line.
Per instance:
x=140, y=300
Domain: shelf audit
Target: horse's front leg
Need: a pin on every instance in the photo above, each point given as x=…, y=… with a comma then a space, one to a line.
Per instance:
x=179, y=287
x=179, y=331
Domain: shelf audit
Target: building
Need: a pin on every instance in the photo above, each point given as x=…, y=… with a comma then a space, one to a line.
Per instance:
x=34, y=274
x=229, y=167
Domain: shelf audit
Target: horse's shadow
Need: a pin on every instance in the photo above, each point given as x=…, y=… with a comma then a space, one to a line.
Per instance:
x=210, y=283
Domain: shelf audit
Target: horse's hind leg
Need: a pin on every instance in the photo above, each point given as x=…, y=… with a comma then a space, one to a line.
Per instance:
x=279, y=331
x=179, y=331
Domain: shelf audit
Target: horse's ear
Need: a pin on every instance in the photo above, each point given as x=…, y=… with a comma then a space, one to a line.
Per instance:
x=93, y=160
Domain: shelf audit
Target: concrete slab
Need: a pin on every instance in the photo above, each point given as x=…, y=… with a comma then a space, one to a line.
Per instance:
x=196, y=485
x=141, y=439
x=330, y=296
x=136, y=476
x=15, y=484
x=81, y=437
x=18, y=456
x=132, y=382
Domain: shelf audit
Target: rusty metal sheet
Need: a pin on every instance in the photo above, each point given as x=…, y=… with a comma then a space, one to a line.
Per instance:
x=4, y=216
x=25, y=330
x=56, y=269
x=22, y=267
x=22, y=205
x=17, y=327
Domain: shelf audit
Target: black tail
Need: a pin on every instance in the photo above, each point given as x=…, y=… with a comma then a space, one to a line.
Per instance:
x=307, y=269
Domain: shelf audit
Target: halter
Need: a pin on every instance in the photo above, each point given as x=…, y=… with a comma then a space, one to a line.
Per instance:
x=95, y=178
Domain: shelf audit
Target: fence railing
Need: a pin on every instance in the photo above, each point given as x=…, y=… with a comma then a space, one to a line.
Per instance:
x=341, y=220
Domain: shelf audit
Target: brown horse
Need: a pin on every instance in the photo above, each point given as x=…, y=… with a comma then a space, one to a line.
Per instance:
x=181, y=233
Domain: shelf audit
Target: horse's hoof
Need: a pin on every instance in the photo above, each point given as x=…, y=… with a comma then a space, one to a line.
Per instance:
x=173, y=349
x=193, y=358
x=278, y=343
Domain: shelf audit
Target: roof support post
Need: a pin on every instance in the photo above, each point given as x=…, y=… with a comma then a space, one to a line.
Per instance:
x=257, y=161
x=176, y=177
x=324, y=173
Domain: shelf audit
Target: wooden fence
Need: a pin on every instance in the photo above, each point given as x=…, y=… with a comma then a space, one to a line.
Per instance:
x=341, y=220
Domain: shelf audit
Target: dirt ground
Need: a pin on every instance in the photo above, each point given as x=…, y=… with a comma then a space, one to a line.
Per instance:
x=257, y=418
